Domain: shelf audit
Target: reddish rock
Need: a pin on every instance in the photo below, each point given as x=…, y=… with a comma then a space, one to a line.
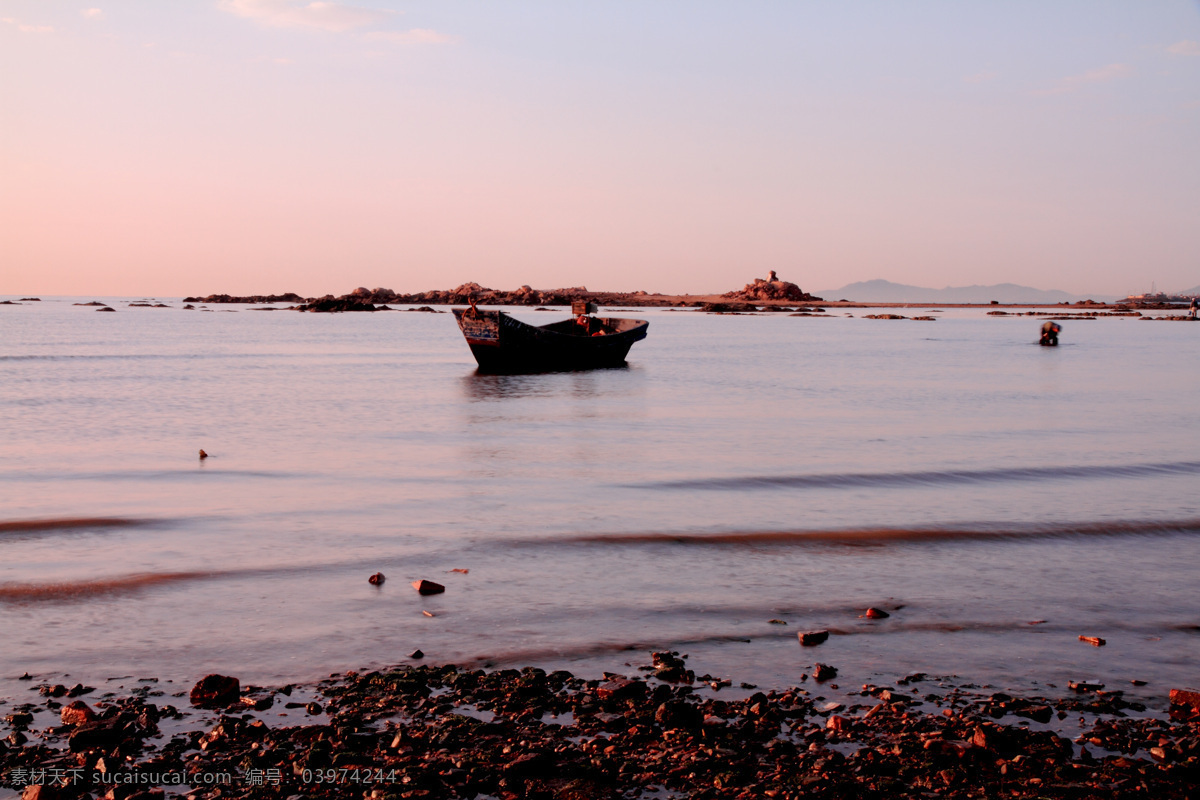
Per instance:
x=215, y=691
x=876, y=613
x=428, y=587
x=823, y=672
x=1186, y=697
x=77, y=713
x=1084, y=686
x=104, y=734
x=620, y=688
x=1095, y=641
x=812, y=638
x=1037, y=713
x=377, y=579
x=838, y=724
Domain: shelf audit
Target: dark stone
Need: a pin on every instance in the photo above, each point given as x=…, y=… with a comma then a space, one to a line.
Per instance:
x=678, y=714
x=812, y=638
x=621, y=689
x=1038, y=713
x=104, y=734
x=377, y=579
x=428, y=587
x=823, y=672
x=214, y=691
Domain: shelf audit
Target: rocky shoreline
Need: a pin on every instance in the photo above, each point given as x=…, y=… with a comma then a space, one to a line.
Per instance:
x=770, y=289
x=660, y=731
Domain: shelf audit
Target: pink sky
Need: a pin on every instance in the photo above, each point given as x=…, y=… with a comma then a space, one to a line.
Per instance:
x=253, y=146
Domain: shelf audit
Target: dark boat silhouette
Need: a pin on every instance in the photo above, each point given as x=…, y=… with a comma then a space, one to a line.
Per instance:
x=503, y=344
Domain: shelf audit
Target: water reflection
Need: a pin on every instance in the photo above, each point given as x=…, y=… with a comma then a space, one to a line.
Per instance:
x=482, y=386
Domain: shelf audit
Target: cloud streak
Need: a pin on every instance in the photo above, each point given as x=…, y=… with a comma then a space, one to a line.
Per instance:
x=25, y=28
x=1185, y=48
x=1099, y=75
x=326, y=16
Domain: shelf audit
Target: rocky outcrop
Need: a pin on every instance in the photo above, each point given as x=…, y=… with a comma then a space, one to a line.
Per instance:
x=286, y=297
x=770, y=288
x=364, y=299
x=329, y=303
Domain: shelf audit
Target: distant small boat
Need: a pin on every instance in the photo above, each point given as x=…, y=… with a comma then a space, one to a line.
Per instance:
x=503, y=344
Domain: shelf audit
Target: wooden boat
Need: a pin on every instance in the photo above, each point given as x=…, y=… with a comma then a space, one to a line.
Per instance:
x=503, y=344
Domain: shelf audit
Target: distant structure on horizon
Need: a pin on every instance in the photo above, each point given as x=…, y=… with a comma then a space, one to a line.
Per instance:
x=1162, y=297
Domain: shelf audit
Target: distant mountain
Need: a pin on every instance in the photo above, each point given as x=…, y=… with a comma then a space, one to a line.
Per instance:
x=1189, y=292
x=881, y=291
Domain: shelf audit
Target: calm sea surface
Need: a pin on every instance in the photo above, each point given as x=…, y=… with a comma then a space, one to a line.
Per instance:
x=741, y=469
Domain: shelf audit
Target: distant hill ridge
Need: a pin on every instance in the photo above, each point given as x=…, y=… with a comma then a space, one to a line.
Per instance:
x=881, y=291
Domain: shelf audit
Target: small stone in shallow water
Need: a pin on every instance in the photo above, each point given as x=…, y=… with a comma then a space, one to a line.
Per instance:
x=203, y=455
x=1085, y=686
x=1094, y=641
x=428, y=587
x=823, y=672
x=876, y=613
x=416, y=654
x=812, y=638
x=377, y=579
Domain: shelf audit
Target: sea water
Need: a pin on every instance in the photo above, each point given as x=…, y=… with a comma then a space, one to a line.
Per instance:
x=743, y=478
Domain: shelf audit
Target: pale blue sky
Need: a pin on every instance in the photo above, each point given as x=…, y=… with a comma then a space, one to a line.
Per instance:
x=265, y=145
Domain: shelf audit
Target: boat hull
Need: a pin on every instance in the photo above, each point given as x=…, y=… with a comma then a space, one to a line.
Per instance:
x=503, y=344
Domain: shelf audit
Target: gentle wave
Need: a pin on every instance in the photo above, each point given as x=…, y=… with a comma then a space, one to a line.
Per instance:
x=150, y=356
x=68, y=523
x=199, y=471
x=72, y=590
x=883, y=536
x=525, y=656
x=855, y=480
x=21, y=592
